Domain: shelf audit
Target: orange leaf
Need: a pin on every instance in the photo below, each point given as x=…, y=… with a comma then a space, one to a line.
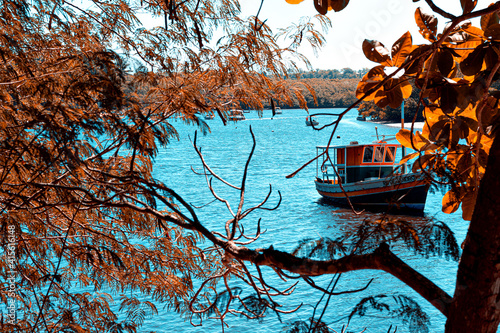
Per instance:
x=401, y=49
x=445, y=62
x=474, y=62
x=418, y=53
x=468, y=5
x=422, y=162
x=493, y=31
x=468, y=205
x=427, y=24
x=369, y=81
x=450, y=202
x=489, y=19
x=376, y=51
x=405, y=137
x=408, y=157
x=337, y=5
x=405, y=88
x=486, y=143
x=321, y=6
x=474, y=31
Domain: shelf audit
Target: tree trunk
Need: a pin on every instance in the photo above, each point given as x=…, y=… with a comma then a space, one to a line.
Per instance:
x=476, y=304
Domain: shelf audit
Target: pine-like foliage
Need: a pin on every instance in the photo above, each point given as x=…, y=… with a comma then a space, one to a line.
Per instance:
x=397, y=306
x=324, y=248
x=426, y=237
x=79, y=132
x=306, y=326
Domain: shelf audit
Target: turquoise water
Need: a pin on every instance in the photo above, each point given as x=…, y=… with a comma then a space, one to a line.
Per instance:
x=284, y=144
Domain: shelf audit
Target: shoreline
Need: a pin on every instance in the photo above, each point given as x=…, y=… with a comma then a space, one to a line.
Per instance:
x=416, y=125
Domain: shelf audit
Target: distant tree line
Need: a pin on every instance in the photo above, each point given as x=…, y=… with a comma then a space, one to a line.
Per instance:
x=337, y=89
x=345, y=73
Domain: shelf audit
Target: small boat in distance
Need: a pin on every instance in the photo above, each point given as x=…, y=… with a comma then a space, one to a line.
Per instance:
x=310, y=121
x=277, y=110
x=236, y=115
x=209, y=116
x=370, y=177
x=361, y=118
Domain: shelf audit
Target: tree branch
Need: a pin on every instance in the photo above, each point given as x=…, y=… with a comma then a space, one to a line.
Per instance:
x=438, y=10
x=381, y=259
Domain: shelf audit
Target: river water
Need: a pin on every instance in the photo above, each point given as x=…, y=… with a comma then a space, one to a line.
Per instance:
x=284, y=143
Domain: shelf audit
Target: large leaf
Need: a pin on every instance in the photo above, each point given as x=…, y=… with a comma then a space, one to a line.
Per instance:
x=321, y=6
x=464, y=95
x=406, y=138
x=457, y=127
x=486, y=143
x=453, y=158
x=401, y=49
x=489, y=19
x=450, y=202
x=489, y=113
x=416, y=58
x=445, y=61
x=433, y=79
x=473, y=63
x=376, y=51
x=439, y=131
x=470, y=113
x=464, y=42
x=468, y=5
x=427, y=24
x=382, y=98
x=491, y=58
x=408, y=157
x=448, y=99
x=338, y=5
x=433, y=115
x=493, y=32
x=468, y=204
x=405, y=87
x=423, y=161
x=392, y=93
x=369, y=81
x=474, y=31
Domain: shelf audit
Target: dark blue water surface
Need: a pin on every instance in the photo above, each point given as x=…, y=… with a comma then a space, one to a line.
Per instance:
x=284, y=143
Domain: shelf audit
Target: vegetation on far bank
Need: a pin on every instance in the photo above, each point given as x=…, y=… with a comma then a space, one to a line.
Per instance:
x=337, y=89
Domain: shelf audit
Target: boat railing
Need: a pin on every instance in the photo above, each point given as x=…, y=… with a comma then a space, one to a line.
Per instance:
x=328, y=175
x=326, y=167
x=330, y=172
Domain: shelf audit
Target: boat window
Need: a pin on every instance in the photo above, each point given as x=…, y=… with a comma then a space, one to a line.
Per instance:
x=390, y=152
x=368, y=154
x=379, y=154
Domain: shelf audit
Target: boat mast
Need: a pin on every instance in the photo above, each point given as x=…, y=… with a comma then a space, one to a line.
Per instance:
x=402, y=114
x=402, y=127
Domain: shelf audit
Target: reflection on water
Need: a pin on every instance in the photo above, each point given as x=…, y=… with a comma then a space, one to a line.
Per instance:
x=284, y=144
x=400, y=212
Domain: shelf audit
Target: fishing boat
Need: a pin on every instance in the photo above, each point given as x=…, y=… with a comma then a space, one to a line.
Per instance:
x=236, y=115
x=369, y=176
x=361, y=118
x=311, y=121
x=277, y=110
x=209, y=116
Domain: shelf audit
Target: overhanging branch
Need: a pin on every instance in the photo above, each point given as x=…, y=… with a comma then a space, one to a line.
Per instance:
x=381, y=259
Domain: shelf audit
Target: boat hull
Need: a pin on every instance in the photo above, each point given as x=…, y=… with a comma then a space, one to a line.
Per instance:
x=407, y=191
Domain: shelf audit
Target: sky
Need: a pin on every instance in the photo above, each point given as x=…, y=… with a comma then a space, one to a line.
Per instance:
x=382, y=20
